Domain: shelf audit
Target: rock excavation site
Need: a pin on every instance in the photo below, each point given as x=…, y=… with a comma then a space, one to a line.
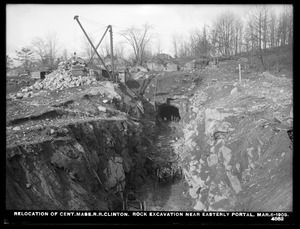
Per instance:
x=163, y=141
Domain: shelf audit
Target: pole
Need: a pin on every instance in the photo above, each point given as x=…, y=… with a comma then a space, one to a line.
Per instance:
x=155, y=89
x=240, y=73
x=76, y=18
x=99, y=42
x=112, y=52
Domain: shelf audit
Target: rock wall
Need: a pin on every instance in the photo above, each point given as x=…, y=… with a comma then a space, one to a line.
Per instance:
x=235, y=150
x=84, y=168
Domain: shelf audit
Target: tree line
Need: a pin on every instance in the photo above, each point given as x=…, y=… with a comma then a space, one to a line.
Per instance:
x=228, y=35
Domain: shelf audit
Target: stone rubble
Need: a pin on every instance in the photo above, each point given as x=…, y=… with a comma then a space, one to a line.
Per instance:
x=68, y=74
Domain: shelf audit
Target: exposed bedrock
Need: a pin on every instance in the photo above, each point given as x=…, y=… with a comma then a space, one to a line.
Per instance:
x=83, y=169
x=235, y=155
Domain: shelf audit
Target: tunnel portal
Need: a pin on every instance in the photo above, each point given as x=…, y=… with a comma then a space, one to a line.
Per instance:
x=167, y=112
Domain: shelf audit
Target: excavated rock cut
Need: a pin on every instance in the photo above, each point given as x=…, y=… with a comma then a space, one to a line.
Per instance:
x=236, y=150
x=86, y=168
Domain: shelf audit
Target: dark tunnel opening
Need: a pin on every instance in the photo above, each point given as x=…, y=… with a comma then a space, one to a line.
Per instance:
x=167, y=112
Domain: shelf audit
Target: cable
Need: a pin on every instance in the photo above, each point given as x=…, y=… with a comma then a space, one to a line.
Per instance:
x=97, y=30
x=91, y=22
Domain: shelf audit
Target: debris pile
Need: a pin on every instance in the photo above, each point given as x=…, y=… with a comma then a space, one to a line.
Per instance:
x=69, y=74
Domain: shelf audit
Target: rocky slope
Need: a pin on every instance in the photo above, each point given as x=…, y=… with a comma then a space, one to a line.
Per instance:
x=236, y=148
x=73, y=150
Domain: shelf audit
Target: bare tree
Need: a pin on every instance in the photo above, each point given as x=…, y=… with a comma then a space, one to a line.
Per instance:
x=105, y=49
x=175, y=44
x=213, y=51
x=158, y=46
x=193, y=38
x=119, y=50
x=204, y=43
x=138, y=38
x=199, y=42
x=259, y=21
x=184, y=48
x=290, y=19
x=87, y=49
x=247, y=37
x=272, y=29
x=238, y=35
x=53, y=48
x=39, y=46
x=47, y=49
x=224, y=27
x=285, y=25
x=65, y=54
x=265, y=26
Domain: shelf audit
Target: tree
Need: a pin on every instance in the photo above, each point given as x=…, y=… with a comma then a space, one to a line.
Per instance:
x=213, y=50
x=175, y=44
x=9, y=62
x=224, y=28
x=247, y=37
x=199, y=43
x=158, y=46
x=65, y=54
x=290, y=20
x=184, y=48
x=87, y=49
x=25, y=58
x=260, y=23
x=204, y=42
x=238, y=35
x=138, y=39
x=40, y=48
x=47, y=49
x=285, y=26
x=119, y=50
x=272, y=29
x=53, y=48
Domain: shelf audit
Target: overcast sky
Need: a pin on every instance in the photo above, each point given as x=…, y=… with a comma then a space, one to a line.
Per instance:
x=26, y=21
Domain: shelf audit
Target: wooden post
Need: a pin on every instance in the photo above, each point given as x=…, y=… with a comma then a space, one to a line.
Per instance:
x=112, y=53
x=240, y=73
x=155, y=89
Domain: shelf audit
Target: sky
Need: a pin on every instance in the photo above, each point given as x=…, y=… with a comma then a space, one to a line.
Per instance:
x=26, y=21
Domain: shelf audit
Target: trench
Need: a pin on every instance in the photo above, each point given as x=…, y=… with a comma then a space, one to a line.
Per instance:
x=214, y=177
x=165, y=188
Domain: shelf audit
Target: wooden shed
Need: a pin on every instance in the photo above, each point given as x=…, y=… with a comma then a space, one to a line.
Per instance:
x=39, y=74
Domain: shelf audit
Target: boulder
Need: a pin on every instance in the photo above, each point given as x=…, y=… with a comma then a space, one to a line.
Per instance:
x=27, y=95
x=234, y=91
x=102, y=109
x=114, y=172
x=16, y=128
x=19, y=95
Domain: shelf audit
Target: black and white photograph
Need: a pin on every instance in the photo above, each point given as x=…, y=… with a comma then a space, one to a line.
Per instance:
x=149, y=113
